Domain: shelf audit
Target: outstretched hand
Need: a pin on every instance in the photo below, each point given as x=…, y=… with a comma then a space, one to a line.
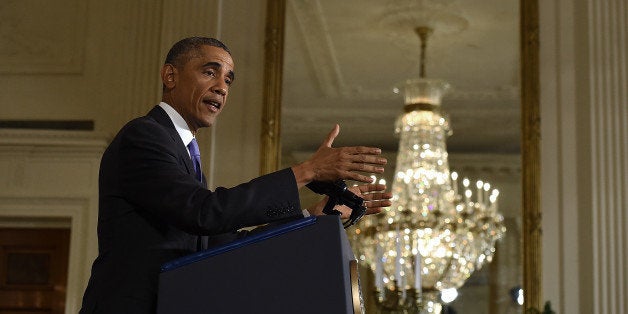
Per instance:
x=342, y=163
x=374, y=195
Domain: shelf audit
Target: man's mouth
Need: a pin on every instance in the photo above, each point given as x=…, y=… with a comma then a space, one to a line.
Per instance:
x=212, y=103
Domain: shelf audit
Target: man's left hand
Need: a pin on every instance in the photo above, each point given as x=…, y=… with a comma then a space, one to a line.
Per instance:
x=374, y=195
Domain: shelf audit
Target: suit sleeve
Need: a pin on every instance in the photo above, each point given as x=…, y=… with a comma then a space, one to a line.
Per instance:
x=155, y=180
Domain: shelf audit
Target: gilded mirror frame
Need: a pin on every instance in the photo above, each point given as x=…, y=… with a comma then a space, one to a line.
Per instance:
x=270, y=147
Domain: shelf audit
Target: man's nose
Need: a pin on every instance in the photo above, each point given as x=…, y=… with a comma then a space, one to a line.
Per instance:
x=220, y=88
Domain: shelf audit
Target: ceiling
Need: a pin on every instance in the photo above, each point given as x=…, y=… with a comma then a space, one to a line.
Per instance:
x=344, y=59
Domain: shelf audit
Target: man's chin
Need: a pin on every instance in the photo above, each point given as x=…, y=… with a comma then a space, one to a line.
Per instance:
x=209, y=122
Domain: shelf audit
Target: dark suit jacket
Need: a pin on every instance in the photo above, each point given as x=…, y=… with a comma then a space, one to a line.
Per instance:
x=152, y=210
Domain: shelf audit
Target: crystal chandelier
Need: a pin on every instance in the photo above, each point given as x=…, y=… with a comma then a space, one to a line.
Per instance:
x=437, y=231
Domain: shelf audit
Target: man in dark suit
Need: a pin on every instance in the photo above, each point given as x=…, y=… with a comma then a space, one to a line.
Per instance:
x=154, y=205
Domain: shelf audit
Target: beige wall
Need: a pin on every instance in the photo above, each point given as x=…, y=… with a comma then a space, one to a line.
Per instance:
x=100, y=61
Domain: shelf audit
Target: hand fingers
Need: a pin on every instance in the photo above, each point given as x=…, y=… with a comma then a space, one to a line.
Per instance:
x=364, y=167
x=362, y=150
x=371, y=211
x=348, y=175
x=375, y=199
x=374, y=207
x=377, y=203
x=377, y=196
x=331, y=136
x=346, y=211
x=366, y=188
x=348, y=163
x=364, y=163
x=369, y=159
x=372, y=192
x=369, y=164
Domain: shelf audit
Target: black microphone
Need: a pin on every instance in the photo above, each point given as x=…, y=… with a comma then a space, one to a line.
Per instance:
x=339, y=194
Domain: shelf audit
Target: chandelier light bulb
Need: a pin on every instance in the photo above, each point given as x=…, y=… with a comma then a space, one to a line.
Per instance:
x=493, y=198
x=449, y=295
x=468, y=193
x=479, y=184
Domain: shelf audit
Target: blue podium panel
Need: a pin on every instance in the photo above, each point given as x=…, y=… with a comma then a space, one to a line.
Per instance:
x=301, y=267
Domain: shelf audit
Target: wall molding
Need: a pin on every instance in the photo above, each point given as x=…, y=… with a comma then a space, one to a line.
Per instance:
x=80, y=212
x=50, y=179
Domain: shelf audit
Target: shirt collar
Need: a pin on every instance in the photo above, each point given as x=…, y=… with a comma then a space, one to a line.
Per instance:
x=179, y=123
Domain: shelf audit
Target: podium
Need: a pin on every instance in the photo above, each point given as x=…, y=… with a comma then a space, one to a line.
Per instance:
x=305, y=266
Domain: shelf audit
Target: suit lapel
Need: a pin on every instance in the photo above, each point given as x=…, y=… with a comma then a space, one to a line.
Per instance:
x=163, y=119
x=160, y=115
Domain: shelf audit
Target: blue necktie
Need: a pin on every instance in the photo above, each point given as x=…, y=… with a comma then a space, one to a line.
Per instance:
x=195, y=154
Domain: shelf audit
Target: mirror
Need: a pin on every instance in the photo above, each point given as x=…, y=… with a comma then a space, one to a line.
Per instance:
x=339, y=61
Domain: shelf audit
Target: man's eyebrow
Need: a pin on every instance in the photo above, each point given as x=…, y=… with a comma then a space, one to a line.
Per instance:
x=217, y=65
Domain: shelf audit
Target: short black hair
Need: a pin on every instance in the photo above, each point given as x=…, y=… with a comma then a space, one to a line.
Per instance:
x=187, y=48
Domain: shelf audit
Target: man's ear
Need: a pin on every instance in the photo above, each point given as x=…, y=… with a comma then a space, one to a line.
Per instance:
x=168, y=75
